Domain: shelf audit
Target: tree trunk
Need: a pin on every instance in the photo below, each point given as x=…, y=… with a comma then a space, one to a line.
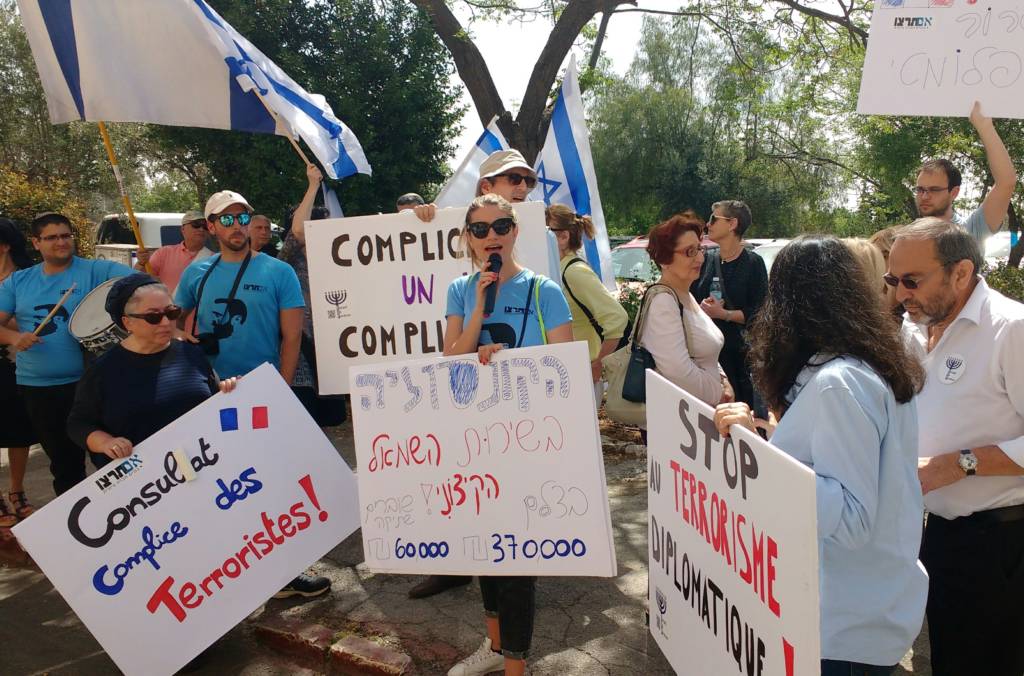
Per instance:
x=527, y=131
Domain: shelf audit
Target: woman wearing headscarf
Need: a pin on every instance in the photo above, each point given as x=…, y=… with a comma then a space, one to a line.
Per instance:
x=147, y=382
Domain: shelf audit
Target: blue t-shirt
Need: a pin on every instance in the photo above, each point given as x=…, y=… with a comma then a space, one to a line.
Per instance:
x=29, y=295
x=504, y=325
x=250, y=326
x=975, y=224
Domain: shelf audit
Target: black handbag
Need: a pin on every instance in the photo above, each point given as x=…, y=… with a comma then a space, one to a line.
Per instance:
x=634, y=384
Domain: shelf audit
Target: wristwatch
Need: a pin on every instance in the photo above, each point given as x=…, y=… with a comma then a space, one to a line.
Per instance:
x=968, y=462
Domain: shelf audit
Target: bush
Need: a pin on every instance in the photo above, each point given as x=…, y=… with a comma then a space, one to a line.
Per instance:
x=21, y=199
x=1006, y=280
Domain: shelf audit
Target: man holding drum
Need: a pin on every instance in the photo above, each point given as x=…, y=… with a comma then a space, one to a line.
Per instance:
x=49, y=361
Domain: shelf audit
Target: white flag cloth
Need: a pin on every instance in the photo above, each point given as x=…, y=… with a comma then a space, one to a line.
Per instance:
x=460, y=189
x=331, y=202
x=174, y=62
x=565, y=172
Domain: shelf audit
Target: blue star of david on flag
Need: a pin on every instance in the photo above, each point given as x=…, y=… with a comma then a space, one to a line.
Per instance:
x=549, y=186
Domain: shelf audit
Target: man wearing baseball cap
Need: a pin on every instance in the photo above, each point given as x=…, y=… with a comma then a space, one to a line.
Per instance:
x=248, y=310
x=168, y=262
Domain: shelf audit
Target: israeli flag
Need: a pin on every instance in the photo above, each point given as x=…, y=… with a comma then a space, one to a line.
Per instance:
x=565, y=172
x=331, y=202
x=460, y=189
x=174, y=62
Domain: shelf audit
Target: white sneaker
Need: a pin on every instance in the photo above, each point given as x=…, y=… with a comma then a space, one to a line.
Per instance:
x=483, y=661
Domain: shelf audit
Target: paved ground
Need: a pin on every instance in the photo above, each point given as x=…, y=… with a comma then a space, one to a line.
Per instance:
x=584, y=625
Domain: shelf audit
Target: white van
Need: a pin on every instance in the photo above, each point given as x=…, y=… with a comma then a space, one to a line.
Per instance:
x=157, y=229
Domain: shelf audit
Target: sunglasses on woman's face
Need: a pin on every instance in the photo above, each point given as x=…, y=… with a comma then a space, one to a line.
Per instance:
x=172, y=312
x=501, y=226
x=228, y=220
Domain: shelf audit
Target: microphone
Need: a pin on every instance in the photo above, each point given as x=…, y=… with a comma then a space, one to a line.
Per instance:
x=495, y=267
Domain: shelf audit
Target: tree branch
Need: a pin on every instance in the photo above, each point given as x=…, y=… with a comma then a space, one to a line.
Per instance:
x=843, y=20
x=468, y=60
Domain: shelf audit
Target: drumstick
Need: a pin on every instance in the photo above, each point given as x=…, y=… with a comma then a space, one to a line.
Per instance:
x=54, y=310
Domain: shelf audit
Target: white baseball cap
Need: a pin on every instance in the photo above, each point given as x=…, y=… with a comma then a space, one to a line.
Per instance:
x=219, y=201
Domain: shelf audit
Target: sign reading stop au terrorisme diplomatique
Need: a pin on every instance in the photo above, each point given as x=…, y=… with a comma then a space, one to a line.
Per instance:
x=733, y=546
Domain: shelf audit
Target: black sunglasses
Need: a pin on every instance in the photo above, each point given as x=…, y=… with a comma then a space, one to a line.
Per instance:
x=893, y=280
x=228, y=220
x=197, y=224
x=172, y=312
x=501, y=226
x=516, y=179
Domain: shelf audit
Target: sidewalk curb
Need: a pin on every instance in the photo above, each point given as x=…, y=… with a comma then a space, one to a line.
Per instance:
x=315, y=646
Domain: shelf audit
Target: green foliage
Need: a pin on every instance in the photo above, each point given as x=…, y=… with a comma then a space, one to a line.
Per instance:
x=382, y=70
x=1007, y=280
x=22, y=197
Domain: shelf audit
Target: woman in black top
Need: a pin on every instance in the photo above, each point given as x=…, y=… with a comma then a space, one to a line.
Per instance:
x=16, y=433
x=148, y=381
x=743, y=281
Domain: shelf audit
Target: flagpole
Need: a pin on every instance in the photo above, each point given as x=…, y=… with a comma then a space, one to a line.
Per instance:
x=120, y=186
x=273, y=114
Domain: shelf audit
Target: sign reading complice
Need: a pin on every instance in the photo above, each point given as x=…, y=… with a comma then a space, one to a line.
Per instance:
x=489, y=470
x=936, y=57
x=379, y=284
x=160, y=559
x=733, y=548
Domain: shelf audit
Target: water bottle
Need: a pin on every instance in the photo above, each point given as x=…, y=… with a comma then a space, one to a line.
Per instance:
x=716, y=289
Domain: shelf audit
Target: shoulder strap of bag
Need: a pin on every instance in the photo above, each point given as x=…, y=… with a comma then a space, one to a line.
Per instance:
x=234, y=286
x=526, y=310
x=652, y=291
x=586, y=310
x=536, y=305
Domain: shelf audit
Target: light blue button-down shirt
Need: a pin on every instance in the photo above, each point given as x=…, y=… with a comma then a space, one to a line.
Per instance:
x=845, y=424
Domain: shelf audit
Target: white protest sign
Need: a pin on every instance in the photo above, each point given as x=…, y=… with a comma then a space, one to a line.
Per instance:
x=936, y=57
x=482, y=470
x=159, y=567
x=733, y=546
x=378, y=285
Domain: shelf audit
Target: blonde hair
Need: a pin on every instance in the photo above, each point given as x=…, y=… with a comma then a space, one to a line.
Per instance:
x=488, y=200
x=561, y=217
x=883, y=239
x=871, y=262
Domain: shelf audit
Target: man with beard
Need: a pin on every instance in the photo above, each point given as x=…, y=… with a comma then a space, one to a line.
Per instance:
x=263, y=294
x=970, y=339
x=50, y=364
x=938, y=185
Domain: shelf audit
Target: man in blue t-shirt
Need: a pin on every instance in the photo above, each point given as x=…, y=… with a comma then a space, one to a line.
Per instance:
x=938, y=185
x=49, y=361
x=248, y=311
x=248, y=305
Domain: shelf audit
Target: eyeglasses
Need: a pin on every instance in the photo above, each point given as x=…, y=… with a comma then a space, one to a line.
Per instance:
x=516, y=179
x=197, y=224
x=501, y=226
x=64, y=236
x=921, y=191
x=228, y=220
x=172, y=312
x=911, y=284
x=692, y=251
x=716, y=217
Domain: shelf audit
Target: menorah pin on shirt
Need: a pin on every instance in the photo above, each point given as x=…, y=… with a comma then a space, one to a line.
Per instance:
x=953, y=368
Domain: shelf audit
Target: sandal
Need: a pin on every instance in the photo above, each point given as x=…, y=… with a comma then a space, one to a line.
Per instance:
x=22, y=507
x=7, y=517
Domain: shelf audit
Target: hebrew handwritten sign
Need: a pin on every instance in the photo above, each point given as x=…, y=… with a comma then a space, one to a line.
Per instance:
x=482, y=470
x=936, y=57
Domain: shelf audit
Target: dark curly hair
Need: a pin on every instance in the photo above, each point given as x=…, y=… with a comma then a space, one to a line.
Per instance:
x=819, y=301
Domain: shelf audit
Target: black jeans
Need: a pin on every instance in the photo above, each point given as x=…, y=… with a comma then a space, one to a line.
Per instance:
x=48, y=409
x=975, y=606
x=513, y=601
x=836, y=668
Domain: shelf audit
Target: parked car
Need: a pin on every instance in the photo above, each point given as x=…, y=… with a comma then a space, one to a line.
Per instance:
x=157, y=229
x=769, y=250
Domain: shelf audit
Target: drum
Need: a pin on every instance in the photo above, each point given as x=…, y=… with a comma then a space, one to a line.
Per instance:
x=91, y=325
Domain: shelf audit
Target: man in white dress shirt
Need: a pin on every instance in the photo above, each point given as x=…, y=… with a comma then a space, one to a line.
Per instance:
x=970, y=339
